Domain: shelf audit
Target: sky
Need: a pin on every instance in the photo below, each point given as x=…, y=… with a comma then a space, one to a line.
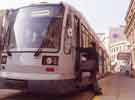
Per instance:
x=100, y=14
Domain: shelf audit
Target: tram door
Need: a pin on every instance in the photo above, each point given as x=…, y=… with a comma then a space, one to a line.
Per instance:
x=77, y=42
x=100, y=61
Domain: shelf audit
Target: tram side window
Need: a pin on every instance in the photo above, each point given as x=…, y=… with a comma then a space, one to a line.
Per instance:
x=82, y=38
x=77, y=31
x=8, y=34
x=68, y=35
x=12, y=40
x=55, y=26
x=75, y=24
x=53, y=39
x=85, y=37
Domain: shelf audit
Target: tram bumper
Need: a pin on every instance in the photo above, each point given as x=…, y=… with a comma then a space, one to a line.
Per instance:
x=33, y=76
x=38, y=83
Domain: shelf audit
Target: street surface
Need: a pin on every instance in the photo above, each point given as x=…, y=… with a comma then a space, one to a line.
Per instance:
x=115, y=87
x=14, y=94
x=17, y=95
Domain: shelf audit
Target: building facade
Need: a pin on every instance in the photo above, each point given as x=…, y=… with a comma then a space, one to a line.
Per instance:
x=117, y=44
x=115, y=49
x=105, y=40
x=130, y=28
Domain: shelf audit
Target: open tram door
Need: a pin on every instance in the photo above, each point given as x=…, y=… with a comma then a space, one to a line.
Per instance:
x=80, y=50
x=84, y=70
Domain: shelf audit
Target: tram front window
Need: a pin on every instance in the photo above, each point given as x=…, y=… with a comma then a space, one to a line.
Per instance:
x=37, y=26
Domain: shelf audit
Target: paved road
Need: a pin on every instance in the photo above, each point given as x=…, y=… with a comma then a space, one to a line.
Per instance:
x=6, y=94
x=117, y=87
x=13, y=94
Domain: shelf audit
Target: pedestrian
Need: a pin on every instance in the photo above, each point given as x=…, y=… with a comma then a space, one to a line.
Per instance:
x=95, y=56
x=91, y=64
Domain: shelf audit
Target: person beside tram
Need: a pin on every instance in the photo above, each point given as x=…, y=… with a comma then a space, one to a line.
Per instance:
x=90, y=63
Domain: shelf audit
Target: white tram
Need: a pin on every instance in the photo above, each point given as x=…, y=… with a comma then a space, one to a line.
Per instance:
x=40, y=45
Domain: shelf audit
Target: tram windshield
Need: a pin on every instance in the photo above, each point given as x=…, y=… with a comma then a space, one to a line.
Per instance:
x=37, y=27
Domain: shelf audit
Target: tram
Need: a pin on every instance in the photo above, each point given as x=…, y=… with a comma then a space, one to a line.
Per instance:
x=40, y=44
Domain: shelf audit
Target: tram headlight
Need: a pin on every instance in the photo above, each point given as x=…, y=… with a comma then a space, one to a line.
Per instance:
x=3, y=59
x=50, y=60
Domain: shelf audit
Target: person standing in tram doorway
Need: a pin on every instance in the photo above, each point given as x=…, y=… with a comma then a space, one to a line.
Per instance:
x=95, y=56
x=91, y=64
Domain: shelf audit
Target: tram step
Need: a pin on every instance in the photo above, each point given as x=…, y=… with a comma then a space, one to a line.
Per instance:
x=85, y=82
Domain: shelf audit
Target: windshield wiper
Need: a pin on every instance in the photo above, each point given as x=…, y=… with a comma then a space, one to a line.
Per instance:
x=37, y=52
x=39, y=49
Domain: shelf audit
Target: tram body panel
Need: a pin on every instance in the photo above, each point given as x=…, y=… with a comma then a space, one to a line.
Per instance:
x=26, y=63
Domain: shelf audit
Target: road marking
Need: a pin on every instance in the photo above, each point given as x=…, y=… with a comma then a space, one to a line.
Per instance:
x=96, y=98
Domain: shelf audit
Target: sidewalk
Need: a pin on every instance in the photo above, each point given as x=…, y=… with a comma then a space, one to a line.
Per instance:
x=99, y=77
x=117, y=87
